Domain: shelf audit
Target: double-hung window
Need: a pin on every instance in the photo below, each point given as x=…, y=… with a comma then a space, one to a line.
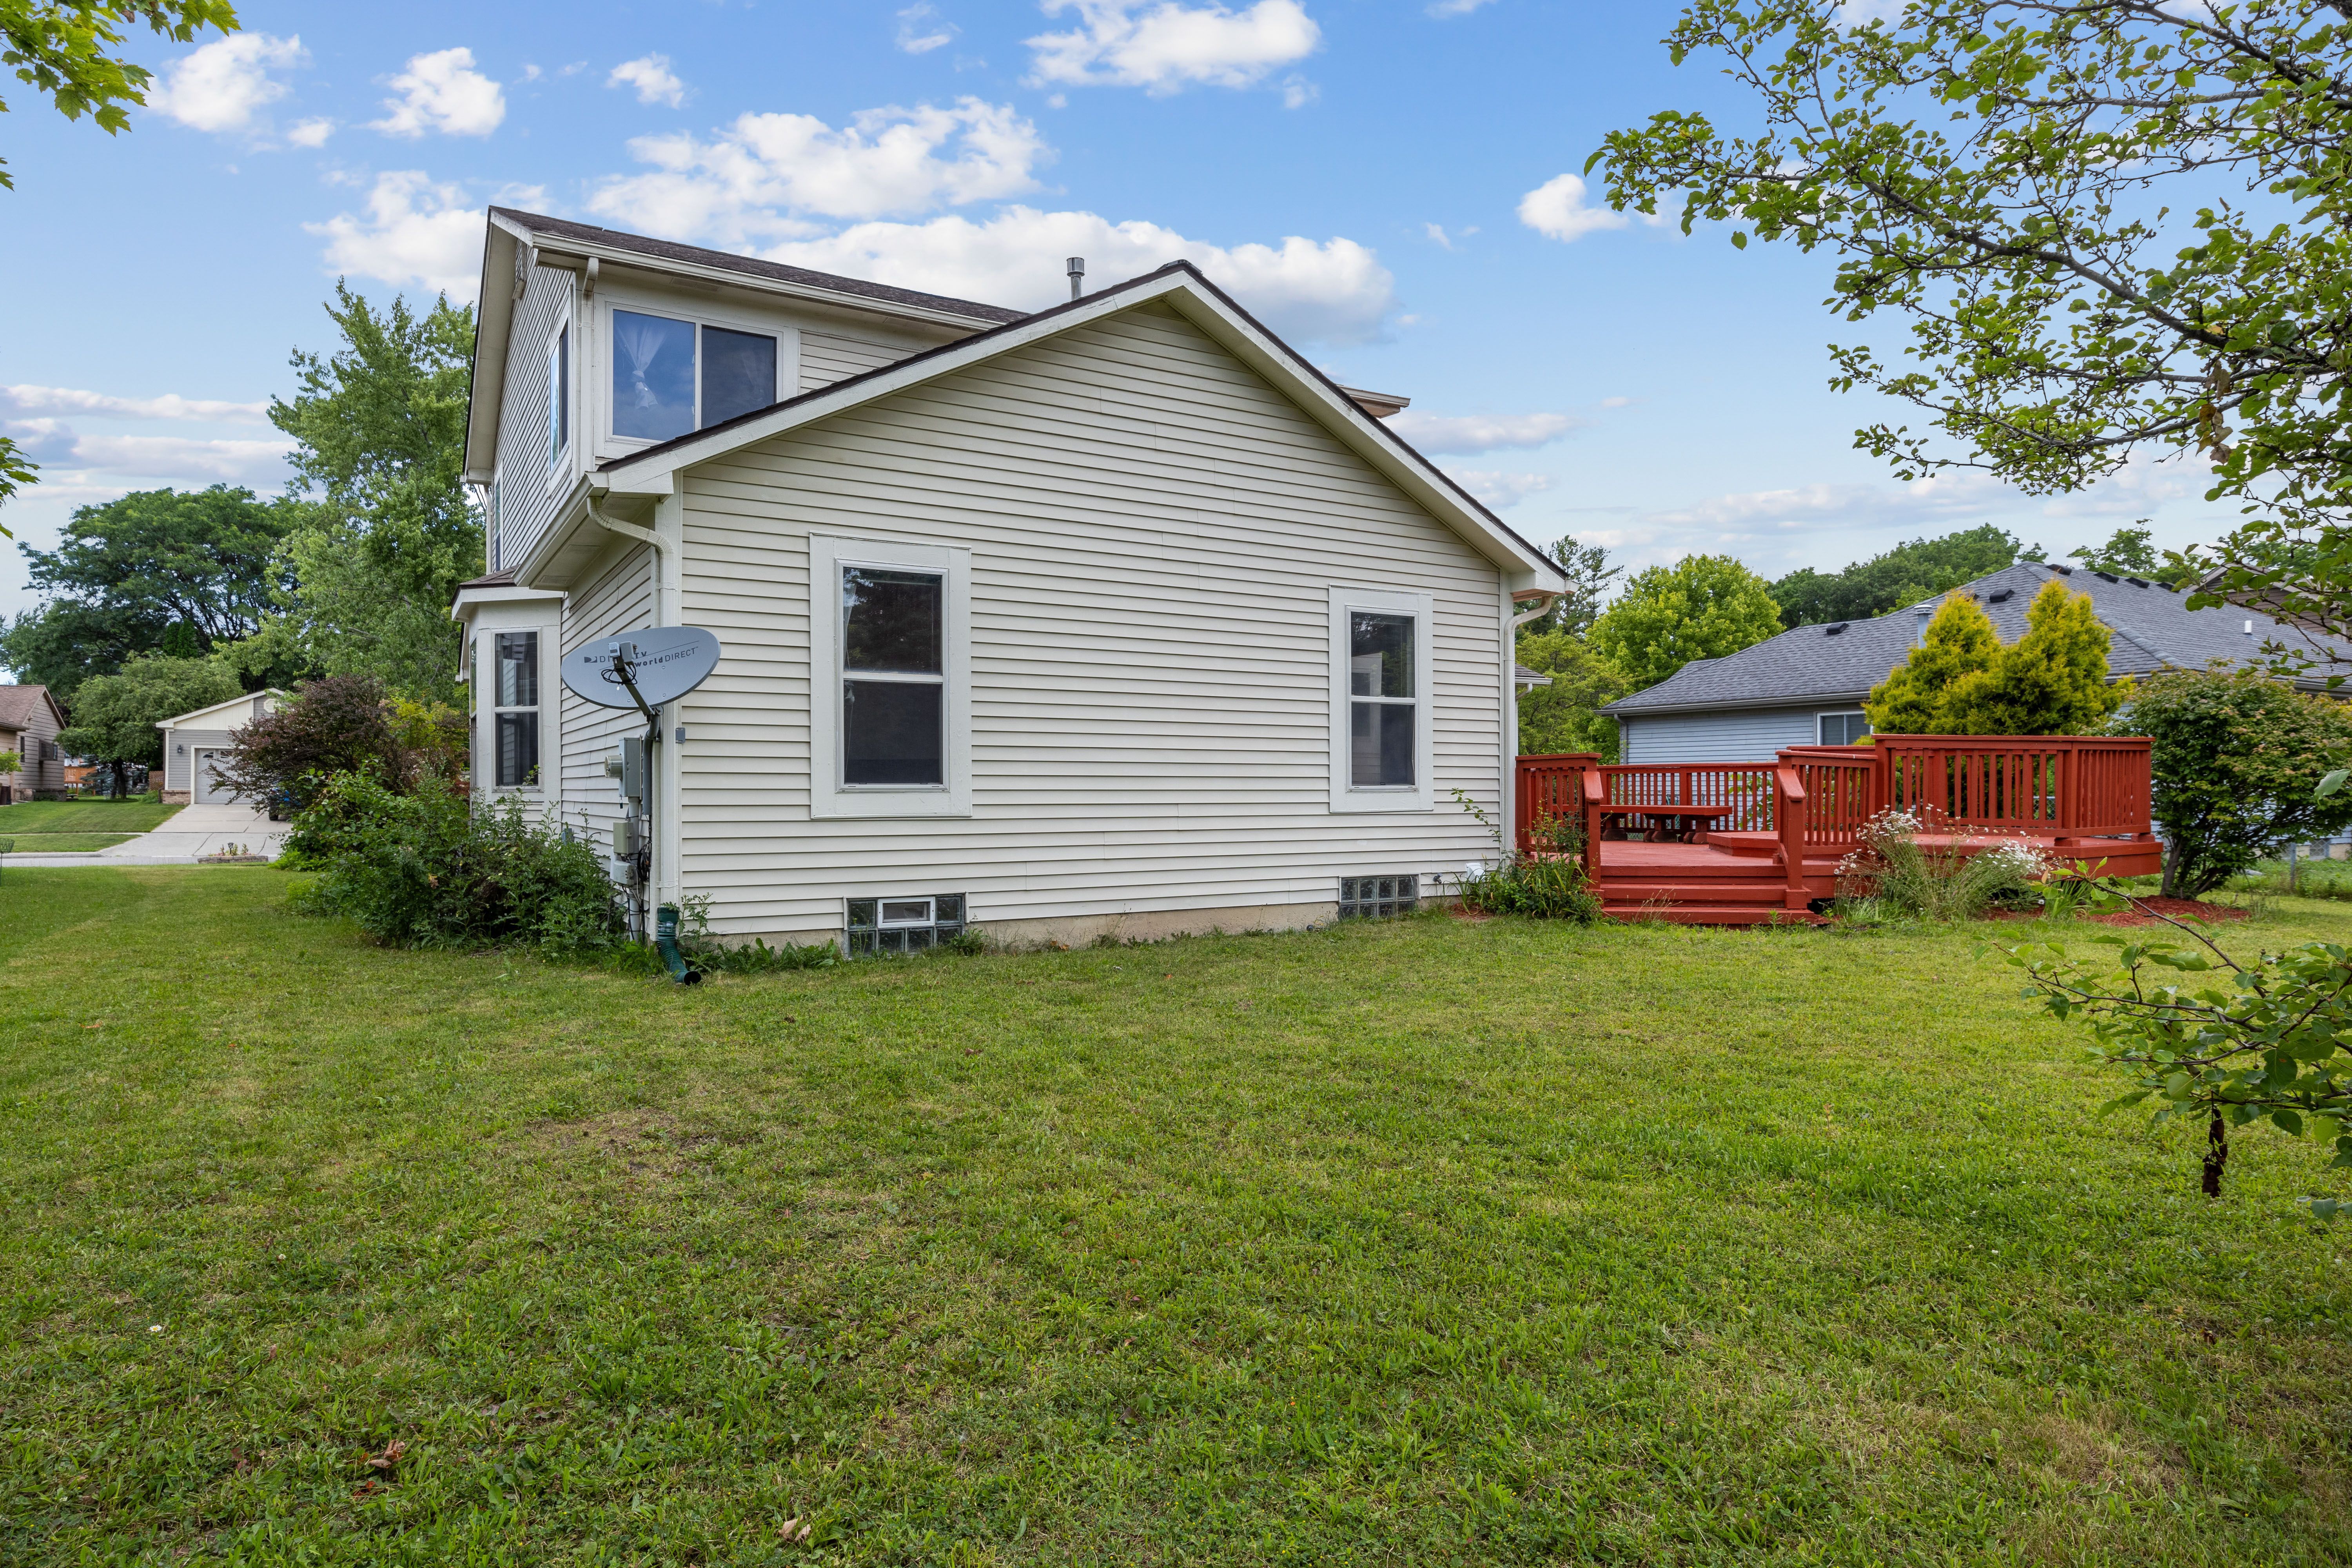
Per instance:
x=515, y=709
x=673, y=377
x=1379, y=700
x=890, y=650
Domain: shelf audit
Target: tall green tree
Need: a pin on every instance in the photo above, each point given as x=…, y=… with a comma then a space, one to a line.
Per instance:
x=2107, y=228
x=387, y=531
x=1564, y=716
x=1702, y=606
x=1589, y=574
x=2128, y=551
x=1959, y=644
x=184, y=571
x=115, y=715
x=1962, y=680
x=1920, y=569
x=67, y=50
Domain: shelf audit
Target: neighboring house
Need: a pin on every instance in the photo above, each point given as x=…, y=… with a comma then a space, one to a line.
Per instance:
x=193, y=741
x=1806, y=686
x=29, y=721
x=1117, y=617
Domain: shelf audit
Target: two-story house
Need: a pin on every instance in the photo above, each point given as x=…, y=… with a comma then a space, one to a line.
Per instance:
x=1116, y=617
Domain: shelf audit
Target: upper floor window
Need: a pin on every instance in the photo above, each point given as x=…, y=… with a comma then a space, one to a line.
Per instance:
x=516, y=708
x=671, y=377
x=559, y=396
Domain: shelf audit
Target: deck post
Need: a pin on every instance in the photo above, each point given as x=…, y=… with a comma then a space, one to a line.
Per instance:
x=1790, y=816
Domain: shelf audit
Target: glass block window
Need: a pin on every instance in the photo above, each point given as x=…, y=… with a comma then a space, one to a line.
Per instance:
x=912, y=923
x=1374, y=898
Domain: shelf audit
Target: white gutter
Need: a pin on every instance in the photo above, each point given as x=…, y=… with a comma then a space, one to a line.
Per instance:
x=642, y=535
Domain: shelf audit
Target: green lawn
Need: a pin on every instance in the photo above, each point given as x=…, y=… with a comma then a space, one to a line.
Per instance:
x=119, y=817
x=1425, y=1243
x=59, y=843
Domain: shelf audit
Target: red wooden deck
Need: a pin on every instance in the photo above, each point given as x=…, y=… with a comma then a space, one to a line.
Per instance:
x=1779, y=828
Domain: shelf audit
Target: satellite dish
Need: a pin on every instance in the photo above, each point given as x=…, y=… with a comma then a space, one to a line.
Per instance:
x=666, y=663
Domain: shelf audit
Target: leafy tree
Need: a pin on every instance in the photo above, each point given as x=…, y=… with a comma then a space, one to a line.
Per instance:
x=1906, y=574
x=388, y=532
x=1702, y=606
x=2129, y=552
x=2051, y=681
x=2239, y=757
x=10, y=762
x=1959, y=644
x=115, y=715
x=60, y=49
x=1589, y=576
x=1961, y=680
x=1562, y=716
x=176, y=571
x=2041, y=192
x=2211, y=1039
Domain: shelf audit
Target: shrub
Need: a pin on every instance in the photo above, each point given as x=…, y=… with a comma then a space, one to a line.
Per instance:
x=1550, y=884
x=708, y=953
x=1961, y=680
x=1944, y=879
x=344, y=724
x=2236, y=769
x=425, y=869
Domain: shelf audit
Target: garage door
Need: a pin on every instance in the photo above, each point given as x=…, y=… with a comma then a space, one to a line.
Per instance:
x=210, y=790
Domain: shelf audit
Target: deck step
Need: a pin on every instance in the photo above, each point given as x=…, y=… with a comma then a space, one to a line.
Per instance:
x=1627, y=889
x=1698, y=914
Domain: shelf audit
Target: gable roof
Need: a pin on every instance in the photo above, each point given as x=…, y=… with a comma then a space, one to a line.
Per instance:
x=2151, y=626
x=19, y=705
x=1181, y=286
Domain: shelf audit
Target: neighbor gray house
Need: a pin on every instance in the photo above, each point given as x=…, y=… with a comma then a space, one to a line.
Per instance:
x=1805, y=688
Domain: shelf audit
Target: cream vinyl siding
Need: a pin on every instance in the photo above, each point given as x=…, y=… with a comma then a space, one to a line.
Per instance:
x=617, y=597
x=1750, y=735
x=180, y=747
x=1154, y=535
x=525, y=500
x=828, y=357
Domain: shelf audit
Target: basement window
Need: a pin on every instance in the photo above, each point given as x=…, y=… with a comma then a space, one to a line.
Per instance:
x=1377, y=897
x=908, y=924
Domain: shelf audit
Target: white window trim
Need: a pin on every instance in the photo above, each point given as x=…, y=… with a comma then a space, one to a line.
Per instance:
x=609, y=299
x=1421, y=794
x=828, y=796
x=560, y=464
x=485, y=664
x=1835, y=713
x=537, y=710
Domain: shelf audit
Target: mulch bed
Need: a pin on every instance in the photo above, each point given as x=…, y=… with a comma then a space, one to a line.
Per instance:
x=2177, y=909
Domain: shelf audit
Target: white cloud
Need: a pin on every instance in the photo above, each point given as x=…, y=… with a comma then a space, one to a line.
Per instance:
x=1482, y=432
x=414, y=232
x=54, y=444
x=1168, y=46
x=24, y=398
x=1445, y=9
x=1498, y=490
x=744, y=182
x=442, y=91
x=1336, y=291
x=653, y=79
x=310, y=132
x=1938, y=496
x=1436, y=232
x=223, y=85
x=1556, y=210
x=921, y=29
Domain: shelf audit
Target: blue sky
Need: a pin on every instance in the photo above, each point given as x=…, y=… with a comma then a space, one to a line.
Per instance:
x=1382, y=180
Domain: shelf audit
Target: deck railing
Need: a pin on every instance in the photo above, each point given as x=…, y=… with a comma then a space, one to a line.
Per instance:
x=1818, y=797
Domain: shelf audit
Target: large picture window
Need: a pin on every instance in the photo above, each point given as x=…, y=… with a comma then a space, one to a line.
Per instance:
x=890, y=650
x=515, y=709
x=671, y=377
x=1379, y=700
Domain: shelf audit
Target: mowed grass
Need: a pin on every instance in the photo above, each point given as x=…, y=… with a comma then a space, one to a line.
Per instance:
x=75, y=827
x=1430, y=1242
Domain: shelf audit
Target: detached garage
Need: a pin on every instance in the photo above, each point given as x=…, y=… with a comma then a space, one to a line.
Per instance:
x=193, y=741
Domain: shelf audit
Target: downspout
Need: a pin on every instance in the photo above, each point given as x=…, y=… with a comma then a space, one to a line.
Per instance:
x=642, y=535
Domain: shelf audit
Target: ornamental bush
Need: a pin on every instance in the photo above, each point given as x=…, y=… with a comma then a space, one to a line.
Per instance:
x=1940, y=881
x=1962, y=680
x=344, y=725
x=426, y=868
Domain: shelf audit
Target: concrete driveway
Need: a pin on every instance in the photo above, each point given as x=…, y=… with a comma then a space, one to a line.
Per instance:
x=190, y=834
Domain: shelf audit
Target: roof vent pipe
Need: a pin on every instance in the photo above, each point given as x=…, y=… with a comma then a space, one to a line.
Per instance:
x=1077, y=268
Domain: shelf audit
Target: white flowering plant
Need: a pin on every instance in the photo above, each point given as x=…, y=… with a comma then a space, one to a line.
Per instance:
x=1907, y=863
